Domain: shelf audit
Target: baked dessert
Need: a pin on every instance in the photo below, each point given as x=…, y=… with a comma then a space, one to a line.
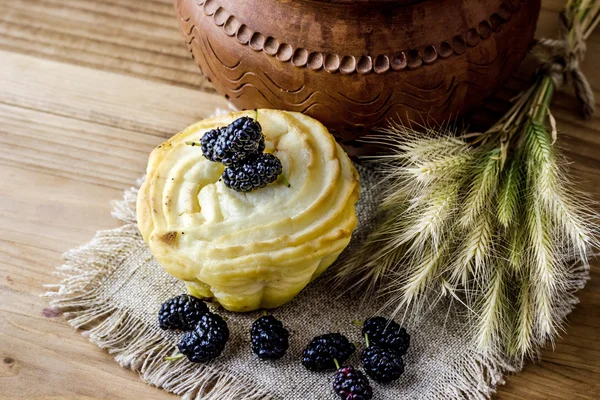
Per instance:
x=256, y=249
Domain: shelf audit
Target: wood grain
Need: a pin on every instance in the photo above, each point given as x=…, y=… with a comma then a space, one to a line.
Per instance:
x=83, y=100
x=127, y=36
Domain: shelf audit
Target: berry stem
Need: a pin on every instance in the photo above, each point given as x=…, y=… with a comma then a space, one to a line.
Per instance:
x=174, y=358
x=337, y=364
x=285, y=181
x=367, y=340
x=256, y=114
x=191, y=143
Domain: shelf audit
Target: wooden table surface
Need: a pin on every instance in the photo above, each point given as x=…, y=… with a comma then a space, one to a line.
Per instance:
x=87, y=90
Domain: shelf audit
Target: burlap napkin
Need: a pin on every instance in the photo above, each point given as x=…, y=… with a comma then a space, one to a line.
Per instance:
x=113, y=288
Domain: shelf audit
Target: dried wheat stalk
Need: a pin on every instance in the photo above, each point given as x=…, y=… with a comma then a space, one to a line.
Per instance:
x=494, y=220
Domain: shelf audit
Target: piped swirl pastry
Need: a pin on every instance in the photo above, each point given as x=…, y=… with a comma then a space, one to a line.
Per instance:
x=257, y=249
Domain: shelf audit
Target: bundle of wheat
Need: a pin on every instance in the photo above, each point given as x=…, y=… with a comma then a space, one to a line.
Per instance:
x=489, y=218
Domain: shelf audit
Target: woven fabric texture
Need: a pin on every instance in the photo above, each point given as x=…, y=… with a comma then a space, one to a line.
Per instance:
x=113, y=288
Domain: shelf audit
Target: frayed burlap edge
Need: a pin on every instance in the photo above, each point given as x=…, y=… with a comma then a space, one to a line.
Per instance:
x=133, y=344
x=139, y=348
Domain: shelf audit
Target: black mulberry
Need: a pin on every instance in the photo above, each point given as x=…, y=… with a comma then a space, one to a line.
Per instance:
x=269, y=338
x=181, y=312
x=382, y=365
x=324, y=350
x=387, y=334
x=255, y=173
x=351, y=384
x=207, y=340
x=239, y=140
x=209, y=142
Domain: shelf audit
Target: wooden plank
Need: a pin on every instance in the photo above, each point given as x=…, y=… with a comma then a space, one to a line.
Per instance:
x=116, y=120
x=128, y=36
x=104, y=98
x=40, y=355
x=72, y=140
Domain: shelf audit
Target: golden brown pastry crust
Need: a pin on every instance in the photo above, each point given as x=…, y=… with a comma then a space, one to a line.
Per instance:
x=258, y=249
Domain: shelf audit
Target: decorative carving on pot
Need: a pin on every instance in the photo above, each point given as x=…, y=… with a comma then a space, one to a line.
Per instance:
x=354, y=64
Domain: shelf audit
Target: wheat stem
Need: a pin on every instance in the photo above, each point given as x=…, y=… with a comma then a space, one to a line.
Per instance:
x=482, y=188
x=475, y=252
x=432, y=213
x=544, y=271
x=445, y=168
x=516, y=249
x=544, y=177
x=490, y=322
x=422, y=273
x=523, y=335
x=508, y=196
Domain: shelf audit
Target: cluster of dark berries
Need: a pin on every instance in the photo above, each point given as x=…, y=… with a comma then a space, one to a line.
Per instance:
x=206, y=332
x=382, y=360
x=327, y=352
x=240, y=146
x=386, y=343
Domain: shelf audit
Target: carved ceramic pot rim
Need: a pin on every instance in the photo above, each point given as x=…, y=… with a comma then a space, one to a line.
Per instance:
x=350, y=64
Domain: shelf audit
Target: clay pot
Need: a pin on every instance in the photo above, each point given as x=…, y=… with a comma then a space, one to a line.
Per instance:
x=354, y=64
